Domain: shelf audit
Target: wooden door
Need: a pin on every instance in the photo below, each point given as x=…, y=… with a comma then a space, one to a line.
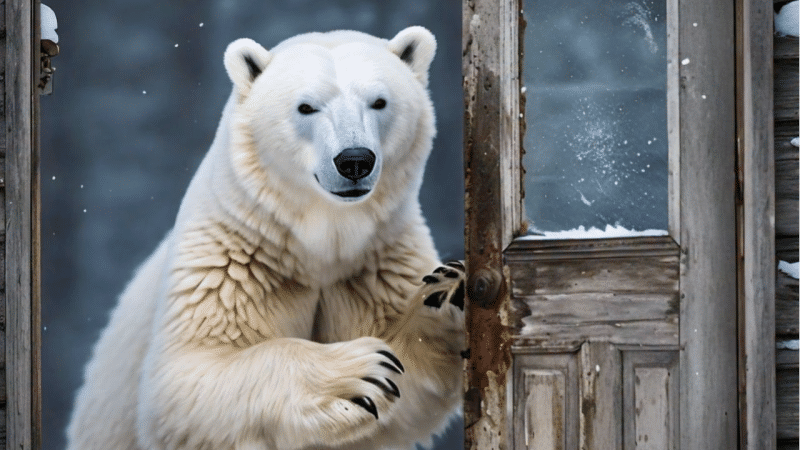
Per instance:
x=626, y=343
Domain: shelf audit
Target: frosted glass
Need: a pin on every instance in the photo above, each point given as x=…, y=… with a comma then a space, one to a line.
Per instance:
x=596, y=114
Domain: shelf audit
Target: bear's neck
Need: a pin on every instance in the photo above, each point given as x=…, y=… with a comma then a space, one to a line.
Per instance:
x=335, y=241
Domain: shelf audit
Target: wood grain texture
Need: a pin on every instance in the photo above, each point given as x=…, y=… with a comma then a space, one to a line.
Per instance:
x=787, y=238
x=492, y=209
x=786, y=384
x=623, y=291
x=645, y=274
x=786, y=89
x=786, y=306
x=650, y=394
x=785, y=131
x=601, y=396
x=545, y=409
x=19, y=94
x=788, y=444
x=786, y=47
x=756, y=167
x=708, y=365
x=556, y=367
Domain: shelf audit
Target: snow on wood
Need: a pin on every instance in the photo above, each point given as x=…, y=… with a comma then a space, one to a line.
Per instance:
x=786, y=21
x=790, y=269
x=611, y=231
x=49, y=24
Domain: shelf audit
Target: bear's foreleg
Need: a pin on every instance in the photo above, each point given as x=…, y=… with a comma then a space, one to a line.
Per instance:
x=429, y=340
x=284, y=393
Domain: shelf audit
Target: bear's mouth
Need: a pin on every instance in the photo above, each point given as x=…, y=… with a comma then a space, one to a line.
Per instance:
x=352, y=193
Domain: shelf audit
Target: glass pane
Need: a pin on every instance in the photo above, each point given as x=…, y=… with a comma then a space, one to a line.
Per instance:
x=595, y=76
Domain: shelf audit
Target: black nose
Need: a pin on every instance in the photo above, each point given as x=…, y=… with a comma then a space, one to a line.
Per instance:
x=355, y=163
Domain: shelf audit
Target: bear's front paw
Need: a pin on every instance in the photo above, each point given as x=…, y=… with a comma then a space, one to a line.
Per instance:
x=365, y=369
x=445, y=286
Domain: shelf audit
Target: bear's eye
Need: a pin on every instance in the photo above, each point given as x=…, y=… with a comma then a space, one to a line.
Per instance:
x=305, y=108
x=379, y=104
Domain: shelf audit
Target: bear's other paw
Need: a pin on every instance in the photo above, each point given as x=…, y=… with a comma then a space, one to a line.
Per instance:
x=445, y=286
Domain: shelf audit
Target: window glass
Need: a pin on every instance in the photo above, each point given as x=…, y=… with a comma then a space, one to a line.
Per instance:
x=596, y=114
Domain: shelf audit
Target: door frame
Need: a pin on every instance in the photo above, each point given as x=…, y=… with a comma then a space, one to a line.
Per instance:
x=721, y=70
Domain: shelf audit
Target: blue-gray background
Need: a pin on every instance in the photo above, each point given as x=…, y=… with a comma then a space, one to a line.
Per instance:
x=139, y=89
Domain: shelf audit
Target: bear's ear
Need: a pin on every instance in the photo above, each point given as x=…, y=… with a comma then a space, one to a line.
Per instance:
x=245, y=59
x=415, y=46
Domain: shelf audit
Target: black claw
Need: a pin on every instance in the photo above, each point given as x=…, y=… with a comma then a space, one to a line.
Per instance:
x=451, y=274
x=434, y=300
x=393, y=359
x=440, y=269
x=390, y=389
x=390, y=367
x=428, y=279
x=395, y=390
x=457, y=299
x=456, y=264
x=366, y=403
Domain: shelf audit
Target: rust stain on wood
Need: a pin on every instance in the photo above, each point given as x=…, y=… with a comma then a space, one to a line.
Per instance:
x=488, y=336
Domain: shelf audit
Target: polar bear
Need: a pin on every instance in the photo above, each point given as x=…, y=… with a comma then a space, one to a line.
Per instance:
x=298, y=302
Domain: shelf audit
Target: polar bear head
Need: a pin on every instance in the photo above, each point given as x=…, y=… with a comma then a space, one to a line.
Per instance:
x=334, y=112
x=332, y=129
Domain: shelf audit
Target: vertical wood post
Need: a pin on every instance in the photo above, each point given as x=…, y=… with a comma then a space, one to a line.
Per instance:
x=492, y=210
x=22, y=419
x=756, y=233
x=708, y=363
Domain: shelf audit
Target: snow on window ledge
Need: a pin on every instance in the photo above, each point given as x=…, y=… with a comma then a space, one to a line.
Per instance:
x=790, y=269
x=611, y=231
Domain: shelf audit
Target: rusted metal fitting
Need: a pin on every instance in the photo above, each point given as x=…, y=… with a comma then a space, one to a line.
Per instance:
x=483, y=287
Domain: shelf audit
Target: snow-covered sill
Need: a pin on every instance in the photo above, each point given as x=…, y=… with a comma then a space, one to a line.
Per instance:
x=581, y=232
x=787, y=345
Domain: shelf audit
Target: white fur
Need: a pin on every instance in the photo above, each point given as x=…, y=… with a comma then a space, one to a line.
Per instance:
x=254, y=322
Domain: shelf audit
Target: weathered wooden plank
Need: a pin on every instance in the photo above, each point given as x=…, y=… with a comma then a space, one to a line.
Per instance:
x=756, y=262
x=786, y=216
x=786, y=248
x=545, y=409
x=558, y=374
x=708, y=365
x=785, y=131
x=788, y=444
x=533, y=249
x=20, y=94
x=786, y=402
x=787, y=245
x=491, y=153
x=650, y=395
x=3, y=437
x=786, y=89
x=652, y=408
x=786, y=172
x=643, y=332
x=601, y=396
x=648, y=274
x=786, y=305
x=576, y=310
x=786, y=47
